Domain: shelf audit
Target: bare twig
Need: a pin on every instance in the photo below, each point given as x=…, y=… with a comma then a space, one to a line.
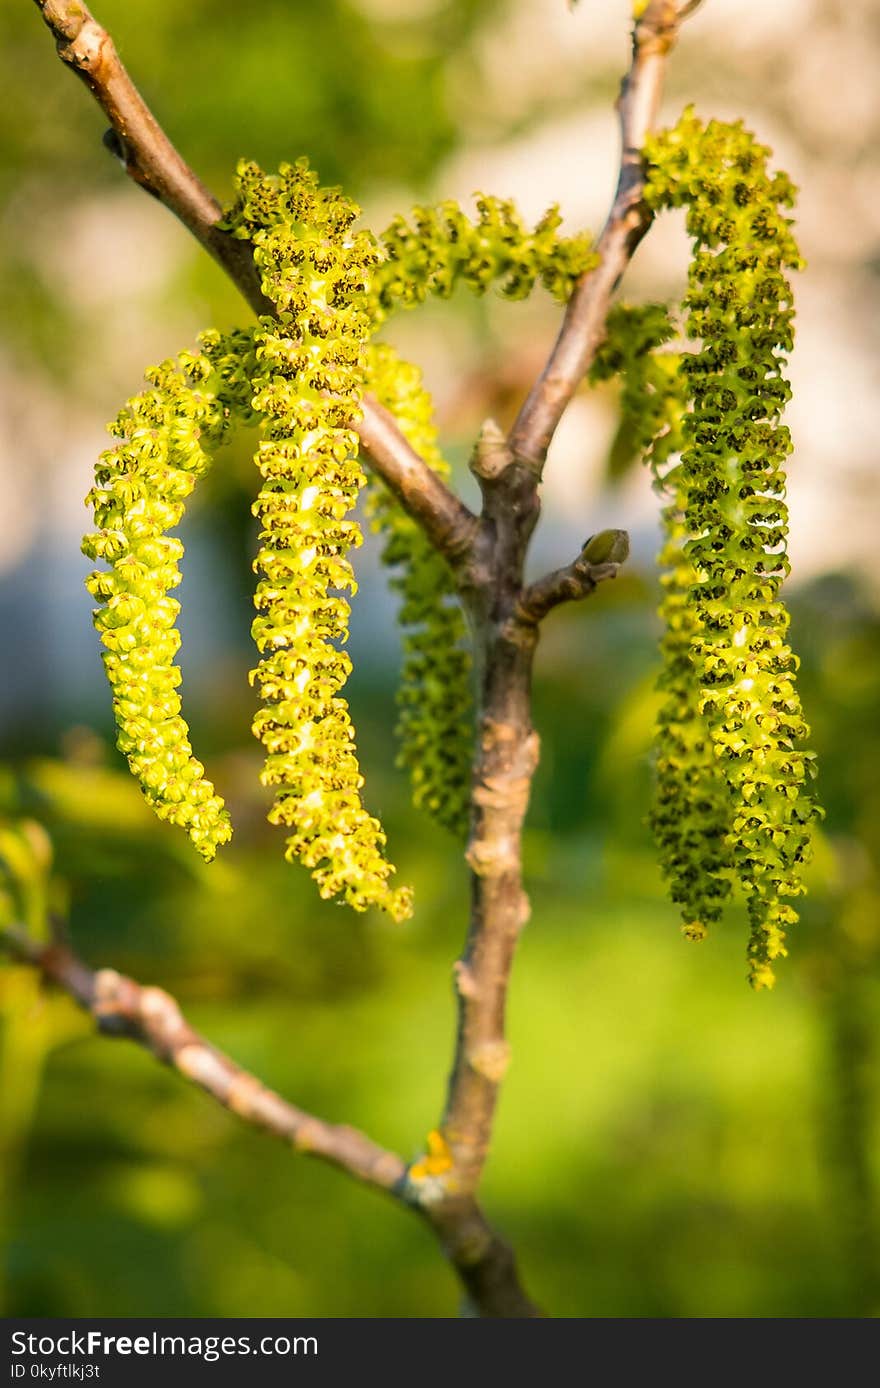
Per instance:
x=152, y=1018
x=507, y=755
x=584, y=324
x=447, y=522
x=148, y=155
x=576, y=580
x=151, y=161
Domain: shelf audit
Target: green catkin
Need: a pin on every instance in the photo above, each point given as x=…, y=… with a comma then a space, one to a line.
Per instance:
x=652, y=400
x=728, y=513
x=441, y=247
x=307, y=389
x=691, y=813
x=164, y=438
x=435, y=725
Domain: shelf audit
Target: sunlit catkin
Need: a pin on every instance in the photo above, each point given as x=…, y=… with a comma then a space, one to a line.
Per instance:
x=440, y=247
x=729, y=498
x=307, y=388
x=164, y=440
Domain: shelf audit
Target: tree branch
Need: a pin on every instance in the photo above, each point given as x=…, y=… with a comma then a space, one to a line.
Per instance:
x=148, y=156
x=506, y=758
x=584, y=324
x=152, y=1018
x=151, y=160
x=449, y=524
x=599, y=560
x=506, y=628
x=149, y=1016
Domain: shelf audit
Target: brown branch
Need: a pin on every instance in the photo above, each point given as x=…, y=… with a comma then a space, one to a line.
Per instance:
x=151, y=160
x=507, y=756
x=149, y=157
x=448, y=523
x=599, y=560
x=506, y=629
x=485, y=1263
x=153, y=1019
x=584, y=324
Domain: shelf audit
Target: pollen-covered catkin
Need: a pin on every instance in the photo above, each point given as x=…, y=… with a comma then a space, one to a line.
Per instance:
x=435, y=725
x=734, y=517
x=441, y=247
x=307, y=389
x=164, y=438
x=691, y=812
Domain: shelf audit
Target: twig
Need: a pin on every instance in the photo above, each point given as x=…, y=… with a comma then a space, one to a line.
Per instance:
x=153, y=1019
x=577, y=580
x=506, y=629
x=584, y=324
x=447, y=522
x=147, y=154
x=151, y=161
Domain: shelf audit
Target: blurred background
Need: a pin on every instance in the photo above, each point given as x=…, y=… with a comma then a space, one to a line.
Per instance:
x=669, y=1144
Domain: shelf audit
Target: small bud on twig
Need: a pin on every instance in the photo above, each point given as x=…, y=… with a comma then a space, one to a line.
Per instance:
x=608, y=547
x=491, y=453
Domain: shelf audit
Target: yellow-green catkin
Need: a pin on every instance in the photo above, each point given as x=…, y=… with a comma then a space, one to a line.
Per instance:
x=435, y=725
x=731, y=520
x=315, y=269
x=691, y=812
x=164, y=437
x=441, y=247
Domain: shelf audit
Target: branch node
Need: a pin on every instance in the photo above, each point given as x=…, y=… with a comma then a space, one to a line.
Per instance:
x=107, y=983
x=83, y=50
x=491, y=1060
x=465, y=983
x=493, y=857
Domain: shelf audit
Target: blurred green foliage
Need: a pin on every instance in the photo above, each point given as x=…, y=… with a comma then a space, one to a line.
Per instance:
x=668, y=1144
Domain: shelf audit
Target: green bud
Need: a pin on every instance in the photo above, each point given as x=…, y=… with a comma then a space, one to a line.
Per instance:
x=608, y=547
